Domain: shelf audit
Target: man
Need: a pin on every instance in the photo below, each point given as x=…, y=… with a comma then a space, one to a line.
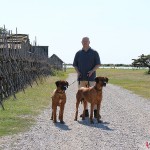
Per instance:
x=86, y=62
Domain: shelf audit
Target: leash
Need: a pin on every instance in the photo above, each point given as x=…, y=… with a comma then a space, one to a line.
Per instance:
x=79, y=81
x=75, y=81
x=88, y=80
x=72, y=82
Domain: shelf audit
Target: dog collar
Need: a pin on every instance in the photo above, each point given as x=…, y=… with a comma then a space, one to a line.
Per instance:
x=97, y=89
x=61, y=92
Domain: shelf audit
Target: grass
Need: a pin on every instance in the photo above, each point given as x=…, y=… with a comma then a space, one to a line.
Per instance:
x=19, y=114
x=137, y=81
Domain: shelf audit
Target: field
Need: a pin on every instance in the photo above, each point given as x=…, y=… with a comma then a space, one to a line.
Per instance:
x=20, y=114
x=137, y=81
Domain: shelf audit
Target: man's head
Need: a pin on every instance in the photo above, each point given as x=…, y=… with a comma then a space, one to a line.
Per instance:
x=85, y=42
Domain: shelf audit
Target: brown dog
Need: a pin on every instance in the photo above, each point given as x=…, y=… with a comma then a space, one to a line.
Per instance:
x=92, y=95
x=59, y=99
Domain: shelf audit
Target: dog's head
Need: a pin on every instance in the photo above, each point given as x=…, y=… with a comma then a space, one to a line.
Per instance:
x=101, y=81
x=63, y=85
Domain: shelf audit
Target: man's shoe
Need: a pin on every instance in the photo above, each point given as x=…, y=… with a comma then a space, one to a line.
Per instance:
x=86, y=113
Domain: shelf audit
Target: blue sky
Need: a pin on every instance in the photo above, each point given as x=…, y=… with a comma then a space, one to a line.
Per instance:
x=118, y=29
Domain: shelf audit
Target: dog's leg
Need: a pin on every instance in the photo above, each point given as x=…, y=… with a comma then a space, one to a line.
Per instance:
x=91, y=113
x=77, y=106
x=98, y=113
x=61, y=113
x=84, y=108
x=54, y=114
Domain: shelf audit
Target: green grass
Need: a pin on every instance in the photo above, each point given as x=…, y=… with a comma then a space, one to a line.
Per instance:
x=19, y=114
x=137, y=81
x=70, y=70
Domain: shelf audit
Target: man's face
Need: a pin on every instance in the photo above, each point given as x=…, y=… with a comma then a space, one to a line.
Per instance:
x=85, y=42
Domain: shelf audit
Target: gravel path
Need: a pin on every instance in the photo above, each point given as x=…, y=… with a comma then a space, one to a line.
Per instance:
x=126, y=125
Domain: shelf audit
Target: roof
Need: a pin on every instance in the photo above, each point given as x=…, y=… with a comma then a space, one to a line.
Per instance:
x=14, y=38
x=55, y=56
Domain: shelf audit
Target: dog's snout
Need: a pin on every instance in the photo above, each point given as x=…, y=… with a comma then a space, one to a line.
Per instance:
x=104, y=83
x=64, y=88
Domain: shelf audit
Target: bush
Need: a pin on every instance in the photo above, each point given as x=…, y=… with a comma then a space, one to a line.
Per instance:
x=58, y=73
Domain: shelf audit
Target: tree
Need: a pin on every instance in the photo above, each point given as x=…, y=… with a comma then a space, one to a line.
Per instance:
x=142, y=61
x=2, y=30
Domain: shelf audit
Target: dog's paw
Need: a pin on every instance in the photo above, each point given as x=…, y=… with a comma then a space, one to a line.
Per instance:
x=99, y=121
x=62, y=122
x=75, y=119
x=91, y=121
x=83, y=118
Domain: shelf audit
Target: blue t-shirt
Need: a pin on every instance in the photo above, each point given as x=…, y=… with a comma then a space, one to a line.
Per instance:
x=85, y=61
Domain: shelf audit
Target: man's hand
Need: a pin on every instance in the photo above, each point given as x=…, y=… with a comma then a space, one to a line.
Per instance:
x=90, y=73
x=79, y=75
x=78, y=72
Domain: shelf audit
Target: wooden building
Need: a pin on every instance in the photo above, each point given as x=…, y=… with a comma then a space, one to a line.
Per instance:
x=40, y=50
x=56, y=62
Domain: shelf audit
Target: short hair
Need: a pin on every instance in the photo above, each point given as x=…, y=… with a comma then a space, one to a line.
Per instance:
x=85, y=38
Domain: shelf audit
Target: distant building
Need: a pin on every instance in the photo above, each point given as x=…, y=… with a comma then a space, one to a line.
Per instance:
x=21, y=42
x=14, y=41
x=40, y=50
x=55, y=62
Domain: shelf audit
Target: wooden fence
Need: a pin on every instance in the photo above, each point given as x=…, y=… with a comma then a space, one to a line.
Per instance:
x=20, y=64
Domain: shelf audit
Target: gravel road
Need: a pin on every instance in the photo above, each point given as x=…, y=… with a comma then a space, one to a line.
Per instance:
x=125, y=126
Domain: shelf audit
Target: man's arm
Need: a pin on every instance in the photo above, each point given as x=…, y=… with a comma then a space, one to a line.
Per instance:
x=94, y=69
x=75, y=64
x=97, y=62
x=77, y=70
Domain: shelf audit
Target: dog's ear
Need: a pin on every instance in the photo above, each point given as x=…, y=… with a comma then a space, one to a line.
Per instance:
x=57, y=83
x=67, y=84
x=106, y=79
x=96, y=80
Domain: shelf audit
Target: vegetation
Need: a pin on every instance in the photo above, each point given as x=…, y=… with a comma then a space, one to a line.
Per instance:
x=116, y=65
x=20, y=114
x=2, y=30
x=142, y=61
x=134, y=80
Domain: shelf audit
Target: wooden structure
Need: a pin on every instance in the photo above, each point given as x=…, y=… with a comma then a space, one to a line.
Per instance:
x=42, y=50
x=20, y=63
x=55, y=62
